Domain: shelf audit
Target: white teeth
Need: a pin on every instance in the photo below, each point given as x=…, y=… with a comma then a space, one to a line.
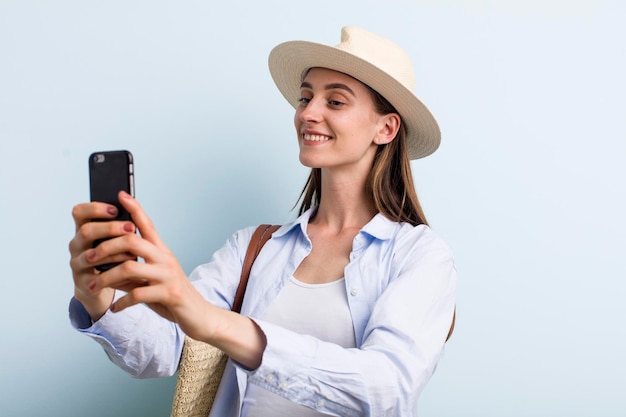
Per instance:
x=316, y=138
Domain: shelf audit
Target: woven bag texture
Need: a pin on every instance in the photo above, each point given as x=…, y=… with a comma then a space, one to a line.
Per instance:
x=199, y=376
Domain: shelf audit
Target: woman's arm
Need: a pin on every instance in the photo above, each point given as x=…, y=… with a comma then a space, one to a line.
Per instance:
x=158, y=282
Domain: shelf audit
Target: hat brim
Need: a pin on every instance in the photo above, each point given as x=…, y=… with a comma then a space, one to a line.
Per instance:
x=289, y=60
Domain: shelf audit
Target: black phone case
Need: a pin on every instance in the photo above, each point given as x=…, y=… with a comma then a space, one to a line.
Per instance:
x=109, y=173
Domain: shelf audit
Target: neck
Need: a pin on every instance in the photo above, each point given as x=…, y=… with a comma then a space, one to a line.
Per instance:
x=344, y=202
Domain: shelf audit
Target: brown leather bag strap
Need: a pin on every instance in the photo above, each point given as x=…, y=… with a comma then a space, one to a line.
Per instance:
x=261, y=235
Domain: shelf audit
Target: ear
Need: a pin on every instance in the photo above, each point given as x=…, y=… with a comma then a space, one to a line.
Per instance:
x=389, y=124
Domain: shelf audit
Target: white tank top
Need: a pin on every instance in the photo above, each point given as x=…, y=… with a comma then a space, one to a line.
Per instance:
x=319, y=310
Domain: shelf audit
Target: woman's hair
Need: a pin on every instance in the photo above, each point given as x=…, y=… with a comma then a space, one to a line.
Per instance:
x=390, y=183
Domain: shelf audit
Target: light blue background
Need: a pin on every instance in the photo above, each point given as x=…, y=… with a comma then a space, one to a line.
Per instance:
x=527, y=187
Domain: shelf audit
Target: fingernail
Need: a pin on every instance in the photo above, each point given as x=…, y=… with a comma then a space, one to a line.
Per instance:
x=124, y=194
x=92, y=285
x=129, y=227
x=91, y=254
x=112, y=210
x=113, y=308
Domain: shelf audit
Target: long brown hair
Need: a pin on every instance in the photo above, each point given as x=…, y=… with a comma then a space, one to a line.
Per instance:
x=390, y=182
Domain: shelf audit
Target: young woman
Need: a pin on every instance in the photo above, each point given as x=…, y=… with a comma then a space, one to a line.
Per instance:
x=347, y=308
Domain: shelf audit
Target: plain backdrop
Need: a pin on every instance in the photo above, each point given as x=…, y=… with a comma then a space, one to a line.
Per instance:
x=526, y=188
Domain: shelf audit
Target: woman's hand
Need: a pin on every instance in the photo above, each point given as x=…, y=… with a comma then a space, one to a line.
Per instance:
x=87, y=231
x=158, y=281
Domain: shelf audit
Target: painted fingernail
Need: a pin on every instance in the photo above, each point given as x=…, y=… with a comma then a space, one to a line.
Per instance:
x=112, y=210
x=124, y=194
x=91, y=254
x=92, y=285
x=113, y=308
x=129, y=227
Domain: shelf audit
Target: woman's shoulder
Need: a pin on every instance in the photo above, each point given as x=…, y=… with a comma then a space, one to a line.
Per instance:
x=419, y=241
x=402, y=234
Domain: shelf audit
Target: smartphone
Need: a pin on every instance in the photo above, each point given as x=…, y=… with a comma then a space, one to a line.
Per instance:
x=109, y=173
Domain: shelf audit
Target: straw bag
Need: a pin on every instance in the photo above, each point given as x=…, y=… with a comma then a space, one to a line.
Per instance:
x=201, y=364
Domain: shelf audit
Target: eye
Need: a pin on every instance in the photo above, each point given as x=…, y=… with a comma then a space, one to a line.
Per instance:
x=336, y=100
x=304, y=101
x=335, y=103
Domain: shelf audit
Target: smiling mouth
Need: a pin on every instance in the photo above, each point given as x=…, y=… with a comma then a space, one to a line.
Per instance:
x=315, y=138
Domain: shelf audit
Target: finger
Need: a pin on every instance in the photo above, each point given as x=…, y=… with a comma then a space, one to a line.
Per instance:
x=150, y=295
x=112, y=261
x=86, y=212
x=141, y=219
x=132, y=246
x=84, y=270
x=132, y=274
x=82, y=279
x=136, y=296
x=127, y=275
x=129, y=285
x=80, y=265
x=92, y=231
x=89, y=298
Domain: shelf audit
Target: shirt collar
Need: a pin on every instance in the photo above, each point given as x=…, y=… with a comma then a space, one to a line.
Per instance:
x=301, y=221
x=380, y=227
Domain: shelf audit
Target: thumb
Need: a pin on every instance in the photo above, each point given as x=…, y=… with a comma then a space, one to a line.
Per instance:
x=141, y=219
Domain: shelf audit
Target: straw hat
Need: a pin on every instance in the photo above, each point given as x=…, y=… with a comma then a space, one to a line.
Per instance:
x=375, y=61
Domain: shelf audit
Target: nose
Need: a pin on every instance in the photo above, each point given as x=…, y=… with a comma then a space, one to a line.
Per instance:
x=311, y=111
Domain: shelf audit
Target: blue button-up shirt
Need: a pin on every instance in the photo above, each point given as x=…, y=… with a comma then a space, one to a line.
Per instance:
x=400, y=284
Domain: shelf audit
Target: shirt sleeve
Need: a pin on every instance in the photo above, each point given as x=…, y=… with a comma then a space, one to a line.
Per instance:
x=137, y=340
x=402, y=343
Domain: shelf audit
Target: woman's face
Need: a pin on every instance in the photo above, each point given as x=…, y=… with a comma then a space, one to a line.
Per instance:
x=336, y=122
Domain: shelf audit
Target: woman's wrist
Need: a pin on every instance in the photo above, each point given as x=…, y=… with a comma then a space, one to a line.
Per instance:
x=96, y=305
x=240, y=337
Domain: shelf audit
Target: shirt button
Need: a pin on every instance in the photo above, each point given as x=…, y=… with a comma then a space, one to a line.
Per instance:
x=320, y=403
x=283, y=386
x=354, y=292
x=269, y=378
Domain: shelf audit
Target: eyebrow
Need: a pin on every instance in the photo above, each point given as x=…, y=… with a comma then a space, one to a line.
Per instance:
x=330, y=87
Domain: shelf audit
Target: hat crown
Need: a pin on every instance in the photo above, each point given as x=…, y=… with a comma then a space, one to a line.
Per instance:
x=380, y=52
